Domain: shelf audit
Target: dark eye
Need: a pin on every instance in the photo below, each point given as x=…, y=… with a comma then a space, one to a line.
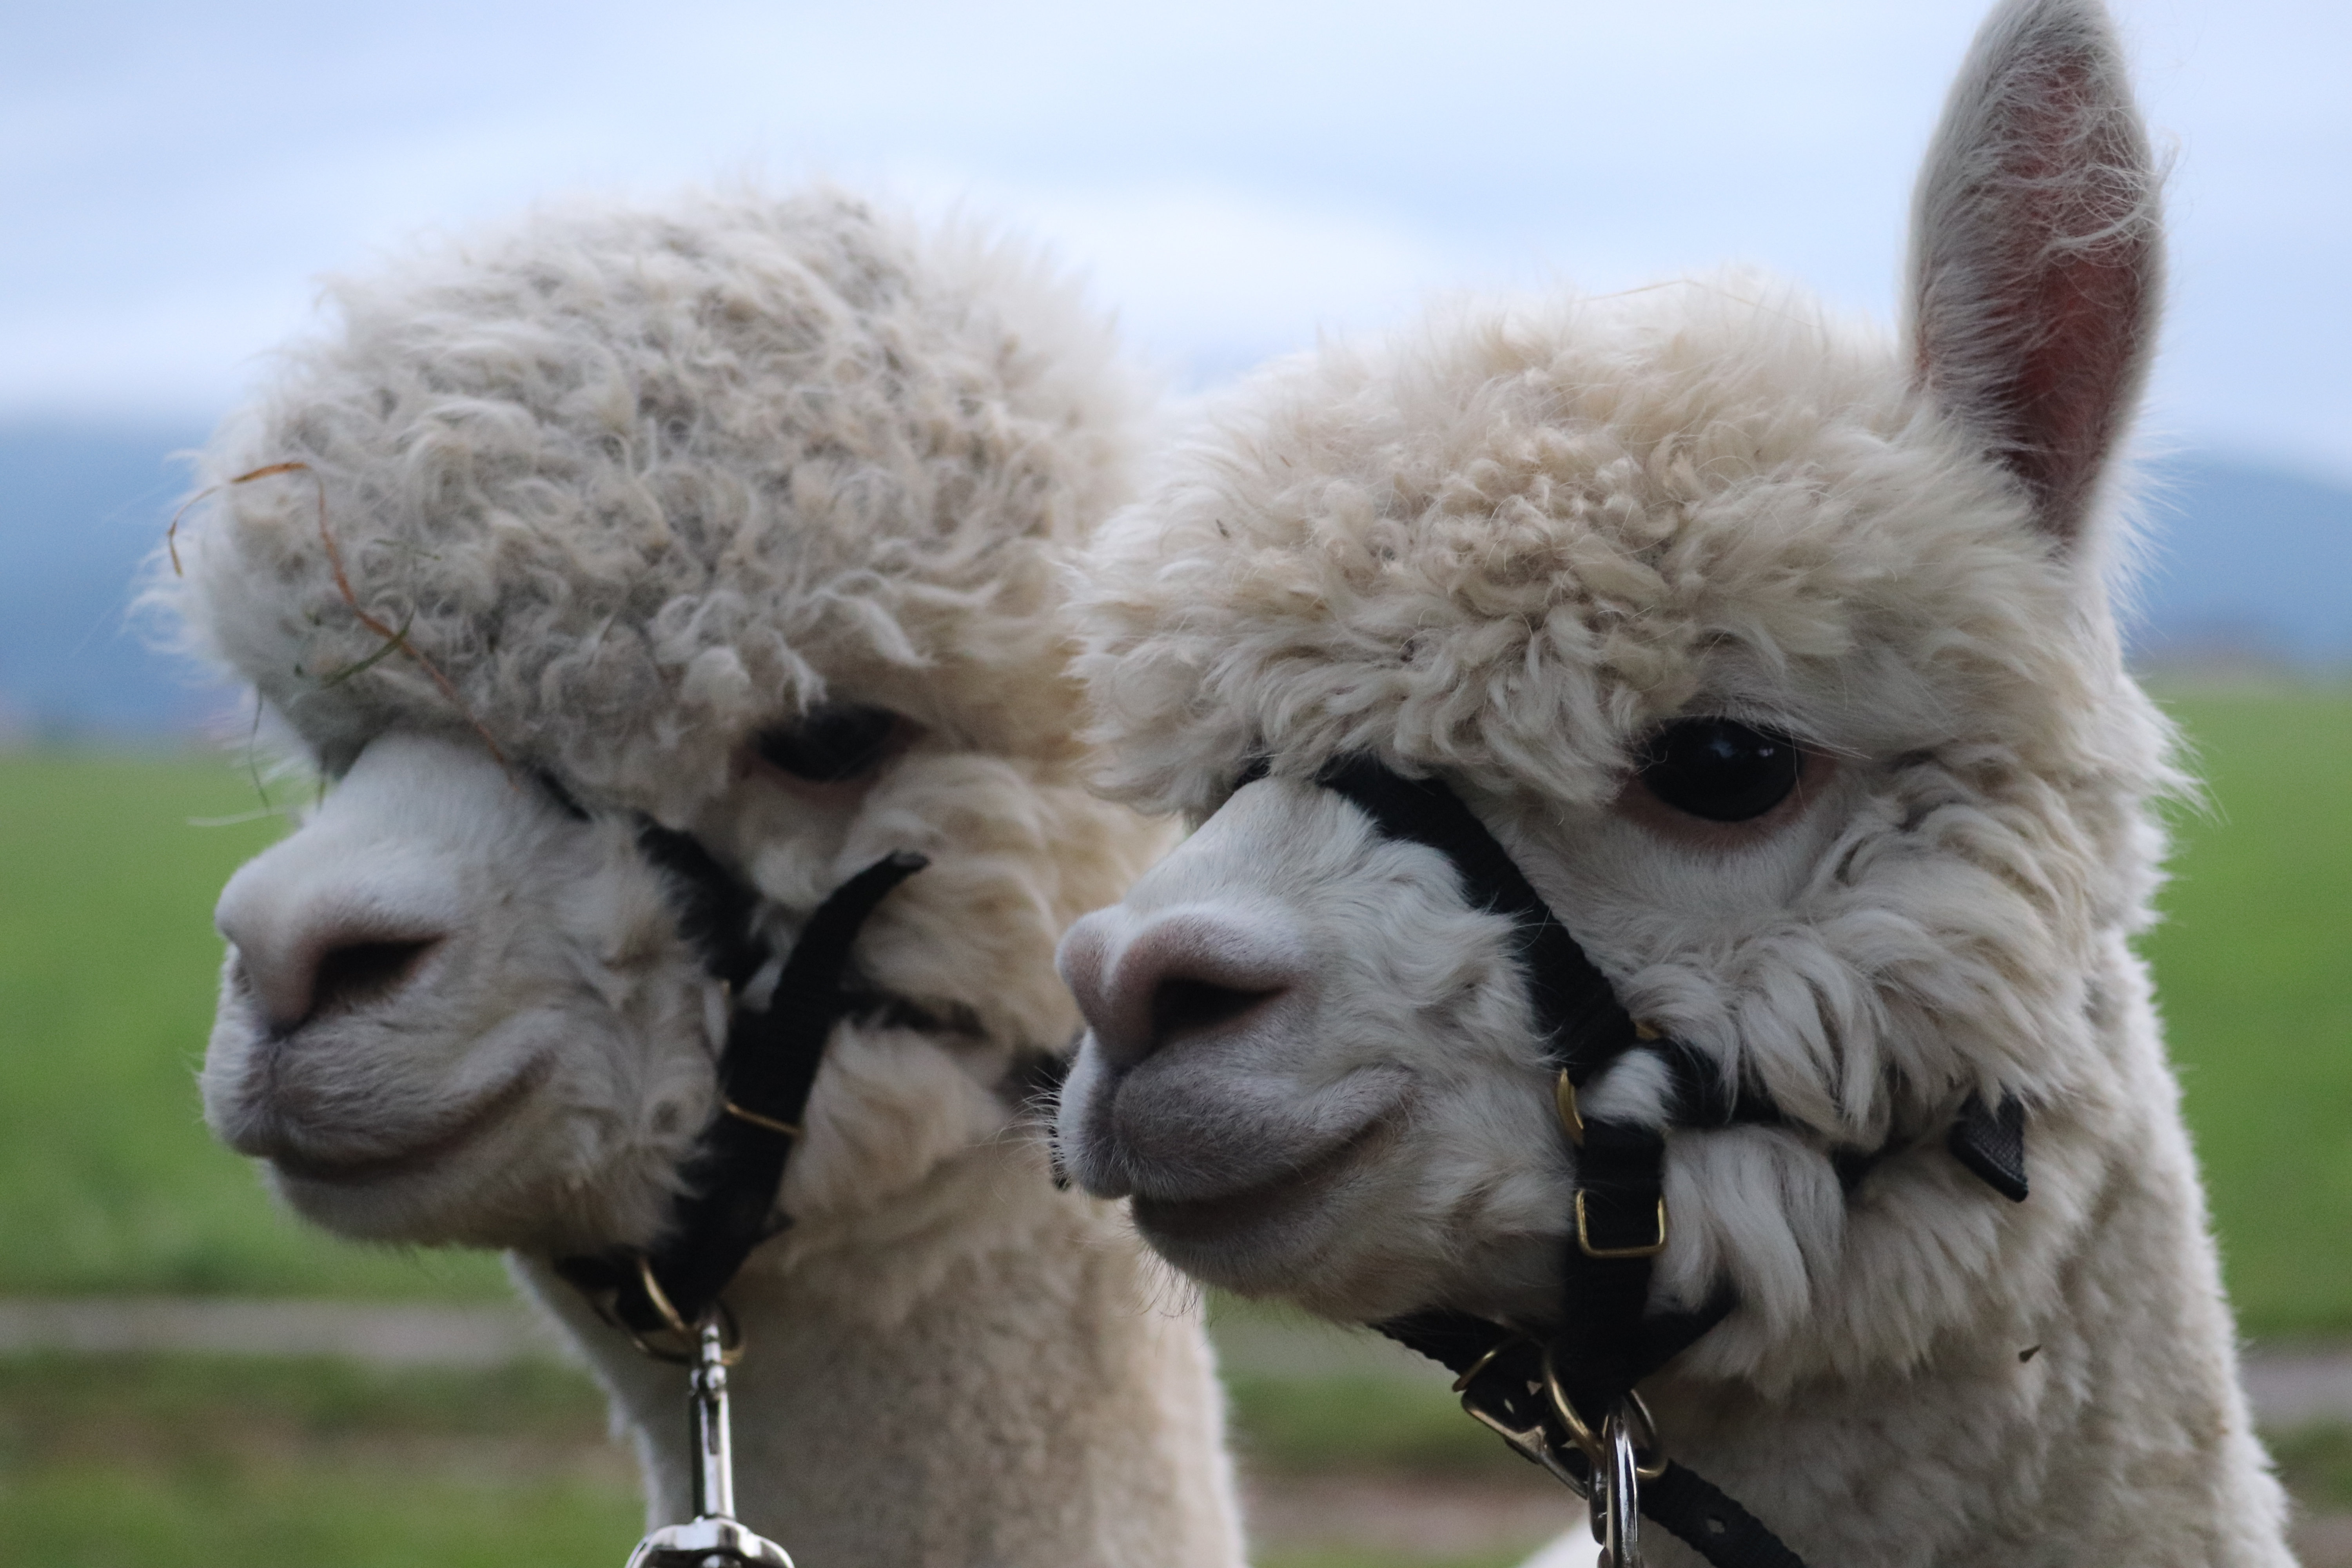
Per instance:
x=833, y=744
x=1720, y=769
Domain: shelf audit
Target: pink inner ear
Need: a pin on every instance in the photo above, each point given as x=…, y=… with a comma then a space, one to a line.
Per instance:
x=2037, y=284
x=2079, y=267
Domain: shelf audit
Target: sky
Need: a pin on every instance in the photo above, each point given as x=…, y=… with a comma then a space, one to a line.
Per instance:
x=1233, y=176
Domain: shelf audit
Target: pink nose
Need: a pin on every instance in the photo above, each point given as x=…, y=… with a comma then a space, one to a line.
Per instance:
x=304, y=963
x=1186, y=973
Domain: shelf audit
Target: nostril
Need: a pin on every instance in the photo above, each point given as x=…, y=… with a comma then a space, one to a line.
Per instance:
x=355, y=973
x=1181, y=1006
x=1175, y=975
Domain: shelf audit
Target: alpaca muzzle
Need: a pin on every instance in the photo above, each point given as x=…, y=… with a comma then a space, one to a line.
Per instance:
x=1565, y=1400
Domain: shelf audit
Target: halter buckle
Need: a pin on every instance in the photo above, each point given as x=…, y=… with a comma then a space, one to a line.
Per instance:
x=688, y=1335
x=1534, y=1445
x=1536, y=1442
x=1645, y=1250
x=765, y=1123
x=1594, y=1445
x=1571, y=1116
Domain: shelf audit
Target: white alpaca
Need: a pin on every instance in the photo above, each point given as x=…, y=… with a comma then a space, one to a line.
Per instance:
x=1778, y=658
x=743, y=518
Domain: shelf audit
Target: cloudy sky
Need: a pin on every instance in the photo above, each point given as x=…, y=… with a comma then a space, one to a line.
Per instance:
x=1233, y=175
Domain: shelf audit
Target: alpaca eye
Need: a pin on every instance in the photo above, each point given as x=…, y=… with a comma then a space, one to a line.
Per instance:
x=833, y=744
x=1719, y=769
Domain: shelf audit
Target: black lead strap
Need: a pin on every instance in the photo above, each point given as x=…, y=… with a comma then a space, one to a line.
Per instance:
x=765, y=1074
x=1606, y=1340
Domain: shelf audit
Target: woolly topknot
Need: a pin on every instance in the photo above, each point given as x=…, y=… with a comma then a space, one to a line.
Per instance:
x=638, y=483
x=1512, y=538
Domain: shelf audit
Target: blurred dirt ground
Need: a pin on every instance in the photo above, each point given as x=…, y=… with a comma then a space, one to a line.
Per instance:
x=375, y=1448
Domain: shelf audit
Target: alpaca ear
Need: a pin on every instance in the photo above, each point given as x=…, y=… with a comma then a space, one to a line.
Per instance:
x=2037, y=251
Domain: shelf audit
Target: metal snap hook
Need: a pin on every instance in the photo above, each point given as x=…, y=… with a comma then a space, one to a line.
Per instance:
x=714, y=1537
x=1617, y=1495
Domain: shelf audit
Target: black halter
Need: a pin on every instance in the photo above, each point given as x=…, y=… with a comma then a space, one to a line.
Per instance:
x=728, y=1203
x=1606, y=1340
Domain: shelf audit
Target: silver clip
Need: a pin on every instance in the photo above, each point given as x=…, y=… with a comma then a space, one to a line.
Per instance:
x=1616, y=1499
x=714, y=1537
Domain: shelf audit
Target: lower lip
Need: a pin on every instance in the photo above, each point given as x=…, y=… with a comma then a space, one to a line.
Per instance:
x=1228, y=1219
x=486, y=1113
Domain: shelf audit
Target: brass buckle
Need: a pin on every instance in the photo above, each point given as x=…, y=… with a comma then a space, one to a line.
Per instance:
x=1462, y=1384
x=1563, y=1092
x=1535, y=1445
x=767, y=1122
x=1588, y=1440
x=660, y=1299
x=1533, y=1442
x=1648, y=1250
x=1542, y=1442
x=731, y=1335
x=1563, y=1099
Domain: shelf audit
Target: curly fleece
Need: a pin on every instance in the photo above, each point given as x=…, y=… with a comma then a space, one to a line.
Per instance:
x=616, y=474
x=1513, y=539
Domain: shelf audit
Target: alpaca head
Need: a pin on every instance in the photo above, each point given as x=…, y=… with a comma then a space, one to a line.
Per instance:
x=1775, y=653
x=743, y=518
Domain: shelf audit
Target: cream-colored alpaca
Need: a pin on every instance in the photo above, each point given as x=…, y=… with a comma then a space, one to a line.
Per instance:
x=1778, y=655
x=743, y=518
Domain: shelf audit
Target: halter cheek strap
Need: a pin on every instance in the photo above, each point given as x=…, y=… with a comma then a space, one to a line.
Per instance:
x=766, y=1070
x=1544, y=1396
x=667, y=1298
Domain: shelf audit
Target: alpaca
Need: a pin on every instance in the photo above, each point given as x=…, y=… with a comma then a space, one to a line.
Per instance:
x=1778, y=658
x=746, y=519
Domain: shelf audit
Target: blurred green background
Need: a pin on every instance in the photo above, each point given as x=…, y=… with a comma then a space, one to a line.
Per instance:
x=109, y=1187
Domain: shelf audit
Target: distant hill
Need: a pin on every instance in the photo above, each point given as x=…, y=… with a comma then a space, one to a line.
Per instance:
x=2251, y=564
x=80, y=507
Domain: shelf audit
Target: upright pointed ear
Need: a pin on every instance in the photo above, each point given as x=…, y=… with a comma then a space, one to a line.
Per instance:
x=2037, y=251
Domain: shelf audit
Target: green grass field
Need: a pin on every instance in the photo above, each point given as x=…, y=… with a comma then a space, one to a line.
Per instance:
x=2254, y=967
x=110, y=1185
x=108, y=1180
x=188, y=1462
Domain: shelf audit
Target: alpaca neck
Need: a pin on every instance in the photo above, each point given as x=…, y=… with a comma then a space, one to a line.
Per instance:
x=2096, y=1417
x=972, y=1373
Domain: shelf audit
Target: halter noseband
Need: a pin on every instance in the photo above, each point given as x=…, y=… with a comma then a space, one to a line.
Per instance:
x=1542, y=1393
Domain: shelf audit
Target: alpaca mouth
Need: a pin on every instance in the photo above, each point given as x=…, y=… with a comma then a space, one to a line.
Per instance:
x=470, y=1124
x=1261, y=1214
